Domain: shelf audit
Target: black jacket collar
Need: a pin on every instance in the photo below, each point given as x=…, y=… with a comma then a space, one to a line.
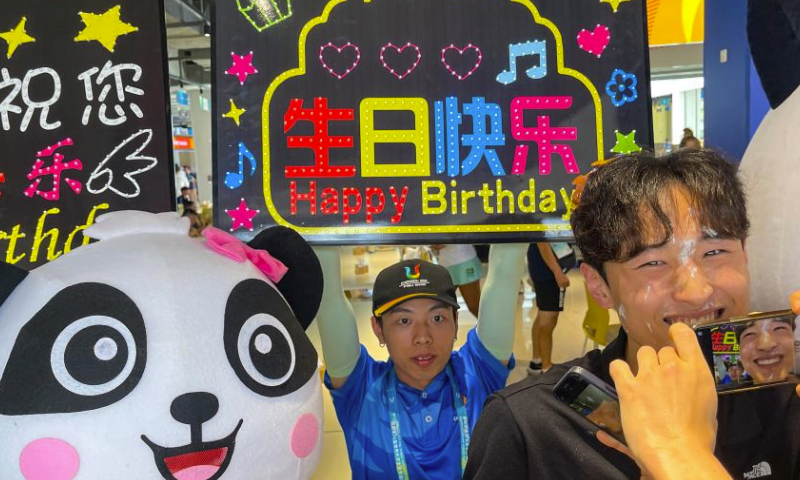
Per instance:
x=613, y=351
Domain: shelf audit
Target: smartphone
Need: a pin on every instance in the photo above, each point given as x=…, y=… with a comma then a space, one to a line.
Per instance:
x=755, y=351
x=593, y=398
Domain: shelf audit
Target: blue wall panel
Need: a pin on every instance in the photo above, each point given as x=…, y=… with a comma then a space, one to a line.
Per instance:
x=727, y=85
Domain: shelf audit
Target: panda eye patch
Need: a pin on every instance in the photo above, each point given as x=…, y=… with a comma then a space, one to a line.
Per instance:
x=264, y=342
x=93, y=355
x=266, y=350
x=84, y=350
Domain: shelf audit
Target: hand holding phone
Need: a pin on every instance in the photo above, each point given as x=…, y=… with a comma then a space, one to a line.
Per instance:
x=669, y=409
x=755, y=351
x=591, y=397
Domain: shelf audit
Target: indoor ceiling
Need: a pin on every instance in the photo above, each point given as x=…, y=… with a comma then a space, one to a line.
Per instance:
x=188, y=22
x=188, y=43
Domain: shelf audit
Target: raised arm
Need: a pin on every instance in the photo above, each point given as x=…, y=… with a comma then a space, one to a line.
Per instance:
x=336, y=320
x=498, y=305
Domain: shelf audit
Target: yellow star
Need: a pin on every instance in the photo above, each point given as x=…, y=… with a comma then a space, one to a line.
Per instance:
x=614, y=3
x=105, y=28
x=16, y=37
x=234, y=113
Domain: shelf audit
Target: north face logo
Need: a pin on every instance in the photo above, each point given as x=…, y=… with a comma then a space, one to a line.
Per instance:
x=761, y=470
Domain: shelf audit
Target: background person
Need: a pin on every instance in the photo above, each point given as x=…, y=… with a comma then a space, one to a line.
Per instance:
x=465, y=269
x=733, y=376
x=548, y=272
x=181, y=182
x=410, y=417
x=191, y=177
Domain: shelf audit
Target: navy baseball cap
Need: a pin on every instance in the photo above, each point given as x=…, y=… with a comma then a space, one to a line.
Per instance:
x=411, y=279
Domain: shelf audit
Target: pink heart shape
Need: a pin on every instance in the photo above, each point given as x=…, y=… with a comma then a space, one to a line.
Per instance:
x=399, y=51
x=461, y=52
x=596, y=41
x=339, y=51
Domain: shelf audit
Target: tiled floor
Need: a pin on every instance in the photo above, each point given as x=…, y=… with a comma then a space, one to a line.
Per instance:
x=568, y=341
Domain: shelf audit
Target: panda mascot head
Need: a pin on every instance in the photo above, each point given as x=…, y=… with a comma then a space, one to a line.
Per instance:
x=150, y=355
x=771, y=165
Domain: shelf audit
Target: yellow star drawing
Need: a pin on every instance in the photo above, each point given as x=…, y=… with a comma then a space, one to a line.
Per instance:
x=105, y=28
x=16, y=37
x=614, y=3
x=234, y=113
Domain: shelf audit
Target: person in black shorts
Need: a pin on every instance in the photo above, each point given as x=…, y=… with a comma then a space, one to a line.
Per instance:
x=547, y=266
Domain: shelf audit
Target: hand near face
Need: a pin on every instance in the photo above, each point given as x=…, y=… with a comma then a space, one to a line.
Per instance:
x=669, y=408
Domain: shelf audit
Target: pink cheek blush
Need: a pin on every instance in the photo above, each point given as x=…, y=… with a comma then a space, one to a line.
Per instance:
x=305, y=436
x=49, y=459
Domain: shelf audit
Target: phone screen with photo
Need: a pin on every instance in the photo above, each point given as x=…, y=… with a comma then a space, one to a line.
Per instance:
x=591, y=401
x=753, y=351
x=599, y=408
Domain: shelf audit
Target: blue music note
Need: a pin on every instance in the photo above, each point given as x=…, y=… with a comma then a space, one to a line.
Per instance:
x=235, y=179
x=516, y=50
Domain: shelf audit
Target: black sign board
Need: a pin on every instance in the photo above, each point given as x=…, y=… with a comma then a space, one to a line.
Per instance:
x=84, y=120
x=421, y=121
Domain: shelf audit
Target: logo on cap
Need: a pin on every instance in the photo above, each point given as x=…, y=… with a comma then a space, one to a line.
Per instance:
x=412, y=276
x=414, y=279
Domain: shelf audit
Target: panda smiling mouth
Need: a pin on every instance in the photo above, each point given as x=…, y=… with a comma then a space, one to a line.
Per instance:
x=197, y=461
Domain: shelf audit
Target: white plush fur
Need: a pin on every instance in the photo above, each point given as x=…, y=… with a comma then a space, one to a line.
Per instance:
x=771, y=173
x=181, y=288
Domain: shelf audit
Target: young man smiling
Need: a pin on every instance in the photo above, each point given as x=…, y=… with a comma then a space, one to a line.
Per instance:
x=663, y=241
x=767, y=349
x=411, y=417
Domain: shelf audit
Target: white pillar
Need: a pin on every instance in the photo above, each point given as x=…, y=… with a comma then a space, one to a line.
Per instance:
x=201, y=124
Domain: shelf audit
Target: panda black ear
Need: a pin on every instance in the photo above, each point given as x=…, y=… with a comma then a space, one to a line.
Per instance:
x=773, y=30
x=302, y=284
x=10, y=277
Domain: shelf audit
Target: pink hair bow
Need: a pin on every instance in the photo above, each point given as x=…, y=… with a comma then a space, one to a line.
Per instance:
x=227, y=245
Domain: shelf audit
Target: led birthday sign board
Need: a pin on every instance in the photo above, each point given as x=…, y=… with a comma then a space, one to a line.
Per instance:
x=411, y=121
x=84, y=123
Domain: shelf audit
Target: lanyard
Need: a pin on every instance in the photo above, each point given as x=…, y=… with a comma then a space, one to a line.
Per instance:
x=394, y=422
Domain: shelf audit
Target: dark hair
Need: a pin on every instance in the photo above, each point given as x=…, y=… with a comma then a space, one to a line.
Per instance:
x=739, y=329
x=613, y=221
